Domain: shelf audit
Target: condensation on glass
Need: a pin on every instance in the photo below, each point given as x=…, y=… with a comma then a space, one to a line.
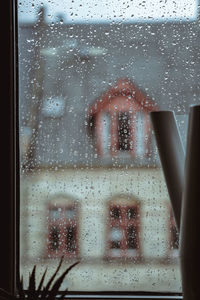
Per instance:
x=92, y=188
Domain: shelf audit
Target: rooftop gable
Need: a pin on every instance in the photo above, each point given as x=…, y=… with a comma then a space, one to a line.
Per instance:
x=124, y=88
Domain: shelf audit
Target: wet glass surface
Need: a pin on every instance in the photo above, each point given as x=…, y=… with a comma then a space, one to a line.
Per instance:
x=92, y=188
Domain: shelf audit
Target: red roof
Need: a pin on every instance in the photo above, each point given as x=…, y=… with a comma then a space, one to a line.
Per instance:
x=124, y=87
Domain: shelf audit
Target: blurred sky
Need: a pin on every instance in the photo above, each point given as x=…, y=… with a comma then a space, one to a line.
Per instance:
x=109, y=10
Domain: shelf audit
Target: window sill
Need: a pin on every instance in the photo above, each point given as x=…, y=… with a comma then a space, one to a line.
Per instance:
x=110, y=295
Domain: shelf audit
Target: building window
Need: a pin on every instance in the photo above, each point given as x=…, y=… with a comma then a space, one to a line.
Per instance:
x=122, y=124
x=63, y=231
x=123, y=232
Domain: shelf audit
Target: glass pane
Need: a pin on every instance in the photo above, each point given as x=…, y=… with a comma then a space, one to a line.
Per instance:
x=70, y=213
x=115, y=213
x=91, y=184
x=132, y=212
x=55, y=213
x=123, y=131
x=70, y=239
x=54, y=238
x=131, y=237
x=115, y=234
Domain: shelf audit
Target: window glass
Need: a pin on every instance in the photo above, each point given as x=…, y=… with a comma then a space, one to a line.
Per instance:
x=123, y=131
x=91, y=183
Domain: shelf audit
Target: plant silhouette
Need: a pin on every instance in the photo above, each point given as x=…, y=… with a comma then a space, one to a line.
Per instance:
x=50, y=291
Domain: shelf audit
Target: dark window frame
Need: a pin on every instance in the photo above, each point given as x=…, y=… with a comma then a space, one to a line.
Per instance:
x=9, y=214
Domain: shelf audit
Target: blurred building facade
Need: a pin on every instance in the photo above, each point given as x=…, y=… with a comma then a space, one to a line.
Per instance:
x=92, y=187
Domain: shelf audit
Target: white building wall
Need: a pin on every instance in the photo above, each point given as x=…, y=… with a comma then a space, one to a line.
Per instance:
x=93, y=189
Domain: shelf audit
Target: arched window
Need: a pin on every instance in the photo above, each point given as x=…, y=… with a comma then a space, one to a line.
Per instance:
x=123, y=230
x=62, y=237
